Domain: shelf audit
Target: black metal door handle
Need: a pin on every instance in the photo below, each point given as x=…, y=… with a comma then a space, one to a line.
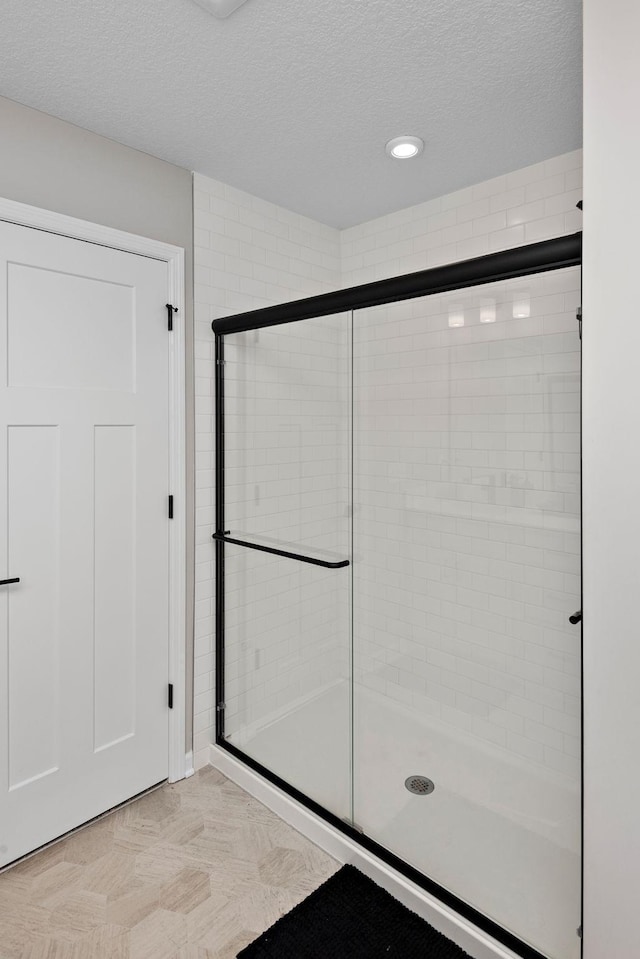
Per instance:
x=5, y=582
x=576, y=617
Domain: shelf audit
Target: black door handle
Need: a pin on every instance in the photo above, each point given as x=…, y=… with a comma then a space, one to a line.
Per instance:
x=576, y=617
x=5, y=582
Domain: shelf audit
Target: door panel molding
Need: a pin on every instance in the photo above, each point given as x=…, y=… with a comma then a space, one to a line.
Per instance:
x=21, y=214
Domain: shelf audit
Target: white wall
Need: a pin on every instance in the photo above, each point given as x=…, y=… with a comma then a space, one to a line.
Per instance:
x=611, y=463
x=55, y=165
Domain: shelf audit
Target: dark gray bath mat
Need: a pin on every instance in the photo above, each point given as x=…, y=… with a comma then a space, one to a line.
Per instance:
x=350, y=917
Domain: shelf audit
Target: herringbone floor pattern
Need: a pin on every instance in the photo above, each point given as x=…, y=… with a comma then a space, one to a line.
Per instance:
x=195, y=870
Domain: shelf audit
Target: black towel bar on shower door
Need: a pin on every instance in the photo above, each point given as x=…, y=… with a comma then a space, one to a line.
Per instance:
x=327, y=564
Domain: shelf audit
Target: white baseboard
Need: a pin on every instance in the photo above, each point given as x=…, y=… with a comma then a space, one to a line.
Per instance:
x=478, y=944
x=188, y=764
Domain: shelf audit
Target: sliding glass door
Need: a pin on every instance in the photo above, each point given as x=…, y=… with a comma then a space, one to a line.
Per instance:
x=398, y=561
x=466, y=570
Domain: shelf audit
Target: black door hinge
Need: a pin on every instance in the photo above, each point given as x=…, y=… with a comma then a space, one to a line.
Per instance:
x=170, y=311
x=171, y=507
x=170, y=696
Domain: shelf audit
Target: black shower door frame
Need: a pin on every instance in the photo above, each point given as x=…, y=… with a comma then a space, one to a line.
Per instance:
x=534, y=258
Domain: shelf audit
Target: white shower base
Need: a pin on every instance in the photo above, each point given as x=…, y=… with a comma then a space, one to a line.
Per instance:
x=500, y=833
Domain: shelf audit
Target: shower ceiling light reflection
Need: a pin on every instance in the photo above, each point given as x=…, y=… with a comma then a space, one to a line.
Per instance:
x=521, y=307
x=456, y=316
x=487, y=311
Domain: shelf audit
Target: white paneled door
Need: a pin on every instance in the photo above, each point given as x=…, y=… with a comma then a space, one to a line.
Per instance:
x=84, y=408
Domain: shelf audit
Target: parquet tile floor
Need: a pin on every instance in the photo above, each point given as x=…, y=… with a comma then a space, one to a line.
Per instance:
x=194, y=870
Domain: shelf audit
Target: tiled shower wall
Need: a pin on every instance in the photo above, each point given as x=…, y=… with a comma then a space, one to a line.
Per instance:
x=535, y=203
x=249, y=253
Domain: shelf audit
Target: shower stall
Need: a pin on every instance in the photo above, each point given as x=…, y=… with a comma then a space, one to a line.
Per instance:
x=398, y=545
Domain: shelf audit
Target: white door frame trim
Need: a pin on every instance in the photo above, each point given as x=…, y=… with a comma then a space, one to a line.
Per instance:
x=23, y=215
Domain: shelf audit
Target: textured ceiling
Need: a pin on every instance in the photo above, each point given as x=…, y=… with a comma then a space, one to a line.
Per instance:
x=293, y=100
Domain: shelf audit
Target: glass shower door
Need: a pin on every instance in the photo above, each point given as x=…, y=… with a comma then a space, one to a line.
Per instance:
x=287, y=453
x=466, y=569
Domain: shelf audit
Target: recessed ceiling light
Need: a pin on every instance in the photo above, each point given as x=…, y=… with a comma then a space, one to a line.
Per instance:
x=404, y=148
x=220, y=8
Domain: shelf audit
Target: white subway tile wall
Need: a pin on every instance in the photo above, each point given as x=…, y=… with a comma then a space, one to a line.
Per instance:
x=536, y=203
x=249, y=253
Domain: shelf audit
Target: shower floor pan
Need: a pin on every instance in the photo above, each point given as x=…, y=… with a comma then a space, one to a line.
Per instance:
x=499, y=832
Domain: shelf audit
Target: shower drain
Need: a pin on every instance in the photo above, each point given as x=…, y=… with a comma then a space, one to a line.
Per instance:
x=419, y=785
